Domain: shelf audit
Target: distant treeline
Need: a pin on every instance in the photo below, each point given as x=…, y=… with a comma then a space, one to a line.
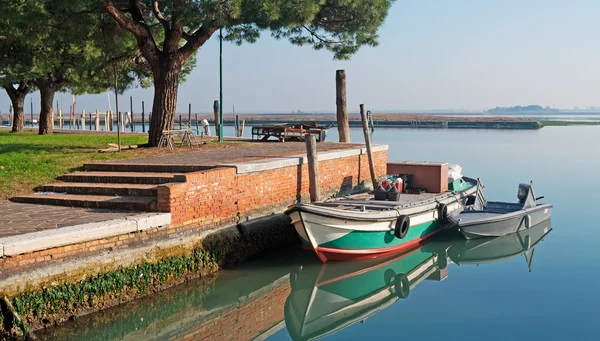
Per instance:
x=523, y=109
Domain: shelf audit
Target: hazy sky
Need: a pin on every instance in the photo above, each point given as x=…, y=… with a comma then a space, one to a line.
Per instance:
x=433, y=54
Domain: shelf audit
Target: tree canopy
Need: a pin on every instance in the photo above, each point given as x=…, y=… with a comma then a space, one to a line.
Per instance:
x=169, y=32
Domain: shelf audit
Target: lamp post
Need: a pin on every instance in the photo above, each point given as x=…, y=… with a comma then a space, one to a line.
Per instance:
x=221, y=85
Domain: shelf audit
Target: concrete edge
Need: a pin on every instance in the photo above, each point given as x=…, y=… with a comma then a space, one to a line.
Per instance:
x=299, y=159
x=37, y=241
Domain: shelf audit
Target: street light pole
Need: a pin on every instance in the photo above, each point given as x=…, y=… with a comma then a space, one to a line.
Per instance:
x=221, y=85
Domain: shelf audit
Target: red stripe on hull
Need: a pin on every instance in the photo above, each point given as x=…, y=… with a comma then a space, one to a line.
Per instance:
x=326, y=254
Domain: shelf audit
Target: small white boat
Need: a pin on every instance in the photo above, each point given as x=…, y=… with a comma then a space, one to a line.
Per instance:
x=496, y=219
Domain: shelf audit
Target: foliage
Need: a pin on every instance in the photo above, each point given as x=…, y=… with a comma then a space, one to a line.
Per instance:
x=68, y=298
x=30, y=160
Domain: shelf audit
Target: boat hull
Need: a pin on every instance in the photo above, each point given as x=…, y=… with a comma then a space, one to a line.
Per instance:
x=335, y=238
x=525, y=219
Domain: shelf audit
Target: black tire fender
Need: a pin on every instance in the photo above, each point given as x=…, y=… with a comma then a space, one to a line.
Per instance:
x=402, y=226
x=442, y=211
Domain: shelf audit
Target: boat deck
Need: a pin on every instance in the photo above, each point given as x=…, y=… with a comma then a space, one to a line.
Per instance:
x=365, y=201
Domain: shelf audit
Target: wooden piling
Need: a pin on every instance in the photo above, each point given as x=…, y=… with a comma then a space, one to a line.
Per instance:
x=341, y=110
x=82, y=120
x=313, y=167
x=97, y=120
x=216, y=113
x=242, y=128
x=197, y=126
x=189, y=122
x=365, y=126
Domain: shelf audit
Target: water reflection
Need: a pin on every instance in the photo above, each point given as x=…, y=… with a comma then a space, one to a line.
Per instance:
x=292, y=290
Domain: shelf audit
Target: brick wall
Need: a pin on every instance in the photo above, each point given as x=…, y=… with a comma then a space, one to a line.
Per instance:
x=221, y=196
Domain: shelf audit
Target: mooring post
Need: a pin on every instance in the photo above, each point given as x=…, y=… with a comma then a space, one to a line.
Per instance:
x=189, y=122
x=197, y=127
x=340, y=102
x=370, y=116
x=313, y=167
x=179, y=122
x=216, y=113
x=143, y=119
x=365, y=126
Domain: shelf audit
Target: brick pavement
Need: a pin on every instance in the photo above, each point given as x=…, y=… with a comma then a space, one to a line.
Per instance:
x=18, y=219
x=233, y=153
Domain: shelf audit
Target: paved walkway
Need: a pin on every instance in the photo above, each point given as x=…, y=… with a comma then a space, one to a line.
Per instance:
x=18, y=219
x=233, y=153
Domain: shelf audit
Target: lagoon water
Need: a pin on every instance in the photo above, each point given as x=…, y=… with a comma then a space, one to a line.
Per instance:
x=274, y=296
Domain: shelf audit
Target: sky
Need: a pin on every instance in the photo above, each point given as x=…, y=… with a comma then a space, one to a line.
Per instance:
x=432, y=55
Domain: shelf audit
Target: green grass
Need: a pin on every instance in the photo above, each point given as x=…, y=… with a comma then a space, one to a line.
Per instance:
x=28, y=160
x=568, y=123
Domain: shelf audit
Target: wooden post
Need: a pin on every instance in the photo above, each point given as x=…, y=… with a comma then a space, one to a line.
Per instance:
x=242, y=128
x=341, y=110
x=60, y=119
x=197, y=127
x=365, y=126
x=143, y=119
x=179, y=122
x=216, y=113
x=97, y=120
x=237, y=125
x=131, y=122
x=108, y=121
x=313, y=167
x=82, y=120
x=370, y=116
x=189, y=122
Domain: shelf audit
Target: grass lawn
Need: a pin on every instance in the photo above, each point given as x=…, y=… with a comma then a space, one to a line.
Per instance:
x=28, y=160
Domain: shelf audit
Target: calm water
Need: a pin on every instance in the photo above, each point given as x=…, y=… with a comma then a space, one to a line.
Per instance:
x=290, y=295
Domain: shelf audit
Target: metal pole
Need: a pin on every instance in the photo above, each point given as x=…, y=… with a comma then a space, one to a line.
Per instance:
x=221, y=85
x=117, y=111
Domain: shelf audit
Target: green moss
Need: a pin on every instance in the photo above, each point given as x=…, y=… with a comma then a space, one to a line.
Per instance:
x=69, y=298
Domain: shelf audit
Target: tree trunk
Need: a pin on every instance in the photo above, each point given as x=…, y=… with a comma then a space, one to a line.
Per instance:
x=46, y=113
x=18, y=113
x=17, y=98
x=166, y=84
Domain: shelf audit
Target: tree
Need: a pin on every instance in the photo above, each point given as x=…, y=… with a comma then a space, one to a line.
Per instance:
x=17, y=97
x=342, y=26
x=15, y=62
x=65, y=43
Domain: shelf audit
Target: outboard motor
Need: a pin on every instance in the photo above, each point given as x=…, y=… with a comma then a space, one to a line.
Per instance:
x=523, y=192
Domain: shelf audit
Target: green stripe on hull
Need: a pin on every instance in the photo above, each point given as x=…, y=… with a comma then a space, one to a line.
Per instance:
x=361, y=240
x=366, y=284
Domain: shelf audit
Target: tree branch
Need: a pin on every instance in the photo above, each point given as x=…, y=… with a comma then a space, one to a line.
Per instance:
x=137, y=26
x=196, y=40
x=160, y=17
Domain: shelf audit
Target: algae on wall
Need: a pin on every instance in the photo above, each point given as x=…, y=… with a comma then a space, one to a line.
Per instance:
x=69, y=299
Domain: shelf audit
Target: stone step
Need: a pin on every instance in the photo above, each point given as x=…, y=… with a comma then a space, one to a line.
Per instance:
x=119, y=177
x=99, y=189
x=130, y=203
x=123, y=167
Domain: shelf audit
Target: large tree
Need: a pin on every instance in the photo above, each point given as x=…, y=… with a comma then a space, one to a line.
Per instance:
x=342, y=26
x=15, y=61
x=65, y=43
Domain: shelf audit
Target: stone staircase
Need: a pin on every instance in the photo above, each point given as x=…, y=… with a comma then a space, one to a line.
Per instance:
x=110, y=186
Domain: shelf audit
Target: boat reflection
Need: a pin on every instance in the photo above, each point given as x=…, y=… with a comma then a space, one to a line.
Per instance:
x=326, y=298
x=487, y=250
